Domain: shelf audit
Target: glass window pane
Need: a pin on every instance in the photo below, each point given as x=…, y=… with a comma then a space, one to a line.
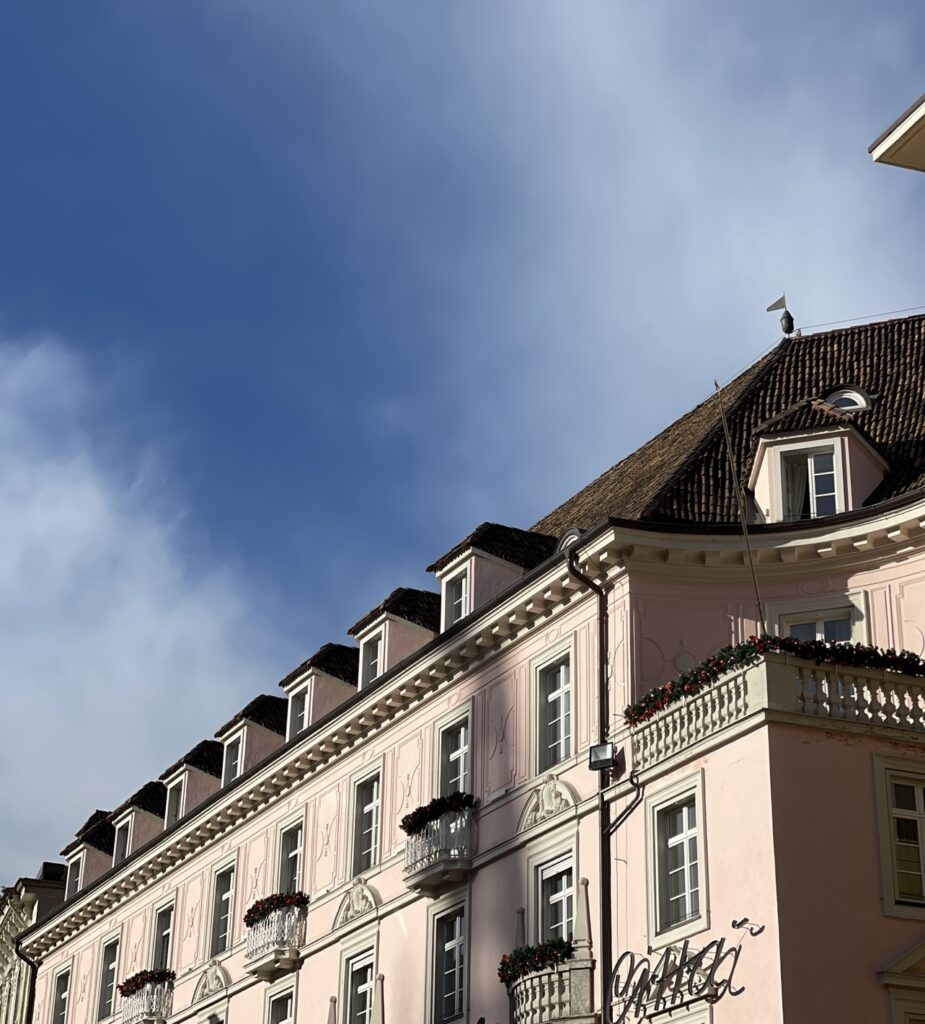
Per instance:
x=803, y=630
x=825, y=505
x=837, y=630
x=904, y=796
x=823, y=463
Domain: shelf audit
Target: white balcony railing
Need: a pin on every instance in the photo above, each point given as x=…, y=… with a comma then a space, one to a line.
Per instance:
x=279, y=931
x=789, y=686
x=542, y=998
x=449, y=838
x=150, y=1005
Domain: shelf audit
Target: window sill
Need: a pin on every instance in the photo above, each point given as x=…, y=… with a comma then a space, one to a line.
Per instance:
x=680, y=932
x=914, y=911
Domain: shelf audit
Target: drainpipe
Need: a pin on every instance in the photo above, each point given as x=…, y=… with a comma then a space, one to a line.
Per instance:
x=605, y=960
x=33, y=972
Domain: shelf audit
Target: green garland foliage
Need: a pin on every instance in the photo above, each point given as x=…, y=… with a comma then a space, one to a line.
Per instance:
x=749, y=653
x=264, y=907
x=138, y=981
x=528, y=959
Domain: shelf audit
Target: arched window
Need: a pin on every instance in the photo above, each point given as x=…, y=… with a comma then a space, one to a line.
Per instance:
x=848, y=399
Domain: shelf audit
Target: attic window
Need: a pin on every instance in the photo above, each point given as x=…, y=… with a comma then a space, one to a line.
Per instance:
x=808, y=479
x=372, y=659
x=849, y=399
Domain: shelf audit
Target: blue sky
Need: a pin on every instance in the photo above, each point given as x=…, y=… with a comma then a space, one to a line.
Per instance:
x=293, y=295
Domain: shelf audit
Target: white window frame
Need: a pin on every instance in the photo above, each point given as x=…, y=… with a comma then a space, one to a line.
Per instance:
x=462, y=577
x=63, y=969
x=783, y=613
x=228, y=864
x=830, y=444
x=293, y=728
x=361, y=958
x=449, y=904
x=464, y=754
x=545, y=872
x=75, y=865
x=116, y=939
x=560, y=846
x=239, y=738
x=126, y=823
x=374, y=772
x=887, y=769
x=366, y=676
x=168, y=904
x=286, y=987
x=677, y=792
x=860, y=399
x=177, y=784
x=288, y=826
x=538, y=668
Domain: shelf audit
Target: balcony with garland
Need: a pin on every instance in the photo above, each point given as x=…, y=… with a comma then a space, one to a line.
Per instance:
x=440, y=843
x=275, y=935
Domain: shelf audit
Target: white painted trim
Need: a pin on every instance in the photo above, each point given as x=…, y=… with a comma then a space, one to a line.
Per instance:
x=356, y=778
x=559, y=845
x=180, y=780
x=439, y=908
x=362, y=944
x=229, y=861
x=463, y=710
x=64, y=968
x=781, y=612
x=126, y=819
x=240, y=733
x=297, y=818
x=286, y=985
x=162, y=904
x=464, y=573
x=113, y=936
x=690, y=785
x=566, y=647
x=886, y=768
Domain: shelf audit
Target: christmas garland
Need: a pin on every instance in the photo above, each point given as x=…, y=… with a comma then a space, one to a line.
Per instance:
x=688, y=684
x=264, y=907
x=418, y=819
x=527, y=959
x=138, y=981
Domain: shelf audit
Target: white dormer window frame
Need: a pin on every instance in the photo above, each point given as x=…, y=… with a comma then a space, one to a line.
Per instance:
x=228, y=776
x=849, y=399
x=816, y=454
x=372, y=655
x=74, y=877
x=172, y=814
x=456, y=597
x=123, y=827
x=299, y=711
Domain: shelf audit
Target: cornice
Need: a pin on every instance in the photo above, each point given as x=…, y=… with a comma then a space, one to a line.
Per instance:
x=539, y=597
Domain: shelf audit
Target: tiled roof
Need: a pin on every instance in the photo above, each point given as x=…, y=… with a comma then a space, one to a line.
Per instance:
x=97, y=831
x=152, y=797
x=336, y=660
x=206, y=756
x=51, y=872
x=808, y=414
x=422, y=607
x=682, y=475
x=519, y=547
x=266, y=710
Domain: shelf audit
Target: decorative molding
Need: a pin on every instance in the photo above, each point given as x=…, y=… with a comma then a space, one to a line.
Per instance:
x=547, y=800
x=214, y=979
x=359, y=900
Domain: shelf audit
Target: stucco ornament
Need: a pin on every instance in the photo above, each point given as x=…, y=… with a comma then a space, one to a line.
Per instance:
x=359, y=901
x=549, y=799
x=214, y=979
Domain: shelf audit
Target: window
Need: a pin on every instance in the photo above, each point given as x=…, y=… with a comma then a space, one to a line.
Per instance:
x=59, y=1006
x=108, y=965
x=73, y=877
x=371, y=659
x=907, y=816
x=449, y=965
x=360, y=989
x=163, y=934
x=678, y=864
x=174, y=804
x=808, y=482
x=556, y=895
x=366, y=825
x=290, y=859
x=454, y=758
x=555, y=714
x=848, y=399
x=298, y=712
x=281, y=1009
x=232, y=768
x=120, y=848
x=455, y=599
x=222, y=906
x=829, y=626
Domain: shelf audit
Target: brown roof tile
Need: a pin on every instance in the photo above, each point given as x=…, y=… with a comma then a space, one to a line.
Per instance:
x=524, y=548
x=422, y=607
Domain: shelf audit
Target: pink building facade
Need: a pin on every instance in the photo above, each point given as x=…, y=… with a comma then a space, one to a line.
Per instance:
x=764, y=849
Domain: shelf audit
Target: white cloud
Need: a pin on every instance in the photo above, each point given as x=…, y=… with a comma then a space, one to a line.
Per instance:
x=118, y=652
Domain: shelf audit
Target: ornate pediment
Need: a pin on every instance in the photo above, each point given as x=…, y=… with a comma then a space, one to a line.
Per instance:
x=360, y=900
x=546, y=801
x=214, y=979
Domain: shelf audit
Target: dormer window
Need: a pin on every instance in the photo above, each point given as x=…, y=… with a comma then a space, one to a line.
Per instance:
x=232, y=764
x=73, y=877
x=808, y=483
x=174, y=804
x=372, y=659
x=849, y=399
x=455, y=598
x=120, y=848
x=298, y=712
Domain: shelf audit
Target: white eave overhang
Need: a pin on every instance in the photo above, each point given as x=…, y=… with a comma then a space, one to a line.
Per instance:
x=903, y=143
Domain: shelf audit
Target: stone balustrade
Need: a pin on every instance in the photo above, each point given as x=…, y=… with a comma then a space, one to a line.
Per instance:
x=273, y=943
x=441, y=853
x=789, y=686
x=152, y=1004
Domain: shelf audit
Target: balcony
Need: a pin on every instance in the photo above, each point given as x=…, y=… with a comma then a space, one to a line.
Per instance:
x=560, y=994
x=273, y=943
x=440, y=854
x=782, y=688
x=151, y=1004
